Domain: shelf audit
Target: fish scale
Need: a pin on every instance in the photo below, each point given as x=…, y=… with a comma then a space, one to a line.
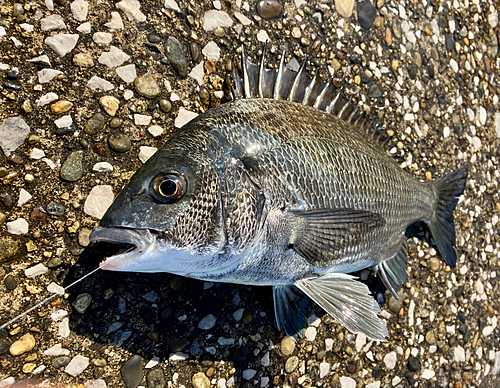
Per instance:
x=289, y=187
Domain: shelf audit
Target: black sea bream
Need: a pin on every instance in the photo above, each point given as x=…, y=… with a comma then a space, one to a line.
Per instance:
x=283, y=186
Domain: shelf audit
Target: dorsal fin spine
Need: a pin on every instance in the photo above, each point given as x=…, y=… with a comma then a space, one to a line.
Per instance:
x=261, y=71
x=279, y=77
x=321, y=96
x=308, y=91
x=296, y=81
x=246, y=80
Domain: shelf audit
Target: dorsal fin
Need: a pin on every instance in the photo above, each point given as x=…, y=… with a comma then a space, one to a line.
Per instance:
x=283, y=83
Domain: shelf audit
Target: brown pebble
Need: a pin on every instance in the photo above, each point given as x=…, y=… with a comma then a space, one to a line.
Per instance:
x=351, y=368
x=491, y=311
x=388, y=36
x=153, y=336
x=378, y=22
x=401, y=313
x=395, y=64
x=268, y=9
x=210, y=372
x=247, y=318
x=22, y=345
x=210, y=66
x=428, y=31
x=61, y=107
x=15, y=159
x=28, y=368
x=428, y=175
x=487, y=64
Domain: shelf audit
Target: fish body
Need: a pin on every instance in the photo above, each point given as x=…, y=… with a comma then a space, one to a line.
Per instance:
x=267, y=191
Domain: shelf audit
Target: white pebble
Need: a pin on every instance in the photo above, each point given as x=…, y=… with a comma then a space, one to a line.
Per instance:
x=313, y=320
x=142, y=119
x=428, y=374
x=347, y=382
x=329, y=344
x=152, y=363
x=24, y=197
x=64, y=328
x=155, y=130
x=80, y=9
x=324, y=368
x=215, y=18
x=46, y=75
x=197, y=73
x=52, y=22
x=248, y=374
x=19, y=226
x=390, y=360
x=131, y=9
x=96, y=83
x=375, y=384
x=146, y=152
x=102, y=38
x=64, y=121
x=113, y=58
x=77, y=365
x=171, y=4
x=56, y=350
x=98, y=201
x=47, y=98
x=36, y=270
x=262, y=36
x=184, y=117
x=242, y=19
x=116, y=22
x=454, y=65
x=211, y=51
x=102, y=167
x=487, y=331
x=37, y=153
x=62, y=44
x=58, y=315
x=360, y=341
x=127, y=73
x=54, y=288
x=98, y=383
x=459, y=354
x=310, y=333
x=482, y=115
x=84, y=28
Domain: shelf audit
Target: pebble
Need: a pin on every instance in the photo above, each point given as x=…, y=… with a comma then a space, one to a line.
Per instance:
x=142, y=119
x=248, y=374
x=156, y=378
x=155, y=130
x=375, y=91
x=110, y=104
x=56, y=350
x=84, y=236
x=184, y=117
x=80, y=9
x=291, y=364
x=62, y=44
x=98, y=383
x=127, y=73
x=119, y=142
x=344, y=7
x=77, y=365
x=215, y=18
x=176, y=55
x=113, y=58
x=19, y=226
x=207, y=323
x=116, y=22
x=28, y=367
x=200, y=380
x=413, y=364
x=269, y=9
x=366, y=14
x=428, y=374
x=430, y=338
x=146, y=152
x=131, y=9
x=10, y=282
x=61, y=107
x=197, y=73
x=58, y=315
x=434, y=264
x=72, y=167
x=390, y=360
x=64, y=328
x=60, y=362
x=287, y=346
x=98, y=201
x=347, y=382
x=102, y=167
x=324, y=368
x=310, y=333
x=166, y=105
x=64, y=122
x=83, y=60
x=52, y=22
x=95, y=124
x=242, y=18
x=131, y=372
x=36, y=270
x=23, y=345
x=211, y=51
x=13, y=132
x=102, y=38
x=171, y=4
x=24, y=197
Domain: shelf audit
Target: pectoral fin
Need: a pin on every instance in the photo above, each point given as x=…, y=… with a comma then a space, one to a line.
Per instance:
x=290, y=307
x=319, y=234
x=393, y=271
x=348, y=301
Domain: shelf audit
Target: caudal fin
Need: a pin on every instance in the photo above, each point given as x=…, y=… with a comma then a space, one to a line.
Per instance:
x=449, y=189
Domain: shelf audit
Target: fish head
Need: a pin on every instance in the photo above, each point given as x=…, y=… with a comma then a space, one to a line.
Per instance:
x=168, y=215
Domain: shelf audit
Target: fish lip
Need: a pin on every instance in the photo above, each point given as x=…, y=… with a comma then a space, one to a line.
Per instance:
x=139, y=239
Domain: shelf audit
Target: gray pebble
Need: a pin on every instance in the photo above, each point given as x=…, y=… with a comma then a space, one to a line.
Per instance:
x=119, y=142
x=10, y=282
x=95, y=124
x=268, y=9
x=146, y=86
x=131, y=372
x=394, y=304
x=56, y=261
x=366, y=14
x=195, y=52
x=375, y=91
x=153, y=38
x=82, y=302
x=207, y=323
x=175, y=54
x=55, y=209
x=165, y=105
x=156, y=378
x=18, y=10
x=291, y=364
x=115, y=122
x=72, y=168
x=60, y=362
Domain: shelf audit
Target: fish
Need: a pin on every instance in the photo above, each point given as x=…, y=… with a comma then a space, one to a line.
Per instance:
x=287, y=185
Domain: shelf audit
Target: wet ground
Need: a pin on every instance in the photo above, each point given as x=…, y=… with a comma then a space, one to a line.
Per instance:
x=426, y=70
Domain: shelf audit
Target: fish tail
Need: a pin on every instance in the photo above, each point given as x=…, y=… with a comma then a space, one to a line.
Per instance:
x=448, y=189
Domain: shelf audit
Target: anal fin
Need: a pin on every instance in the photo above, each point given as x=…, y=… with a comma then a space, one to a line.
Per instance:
x=290, y=307
x=393, y=271
x=348, y=301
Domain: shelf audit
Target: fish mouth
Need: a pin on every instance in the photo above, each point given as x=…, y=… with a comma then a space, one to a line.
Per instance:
x=133, y=243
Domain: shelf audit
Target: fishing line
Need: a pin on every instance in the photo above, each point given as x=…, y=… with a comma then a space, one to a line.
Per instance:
x=45, y=301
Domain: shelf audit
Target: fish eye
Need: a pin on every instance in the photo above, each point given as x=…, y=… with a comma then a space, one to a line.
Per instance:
x=168, y=187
